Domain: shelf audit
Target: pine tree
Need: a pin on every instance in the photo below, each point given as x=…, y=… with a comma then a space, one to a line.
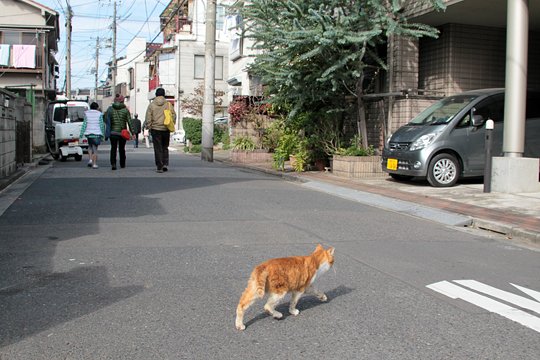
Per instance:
x=314, y=53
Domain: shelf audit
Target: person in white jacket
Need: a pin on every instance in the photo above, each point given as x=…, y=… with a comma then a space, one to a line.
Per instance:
x=93, y=128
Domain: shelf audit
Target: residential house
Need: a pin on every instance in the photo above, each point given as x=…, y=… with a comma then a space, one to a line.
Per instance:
x=241, y=53
x=470, y=53
x=29, y=34
x=178, y=66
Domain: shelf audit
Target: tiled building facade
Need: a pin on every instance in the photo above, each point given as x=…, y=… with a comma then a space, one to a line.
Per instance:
x=463, y=57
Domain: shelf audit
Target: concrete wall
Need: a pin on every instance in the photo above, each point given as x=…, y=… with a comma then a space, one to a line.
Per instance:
x=7, y=134
x=12, y=10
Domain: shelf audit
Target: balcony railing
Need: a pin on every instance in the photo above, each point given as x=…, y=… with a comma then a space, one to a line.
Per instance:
x=20, y=58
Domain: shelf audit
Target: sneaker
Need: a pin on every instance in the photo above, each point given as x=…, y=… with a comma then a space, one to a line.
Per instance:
x=159, y=171
x=165, y=169
x=89, y=163
x=94, y=166
x=113, y=168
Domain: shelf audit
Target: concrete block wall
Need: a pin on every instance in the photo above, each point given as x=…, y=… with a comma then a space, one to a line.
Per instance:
x=7, y=134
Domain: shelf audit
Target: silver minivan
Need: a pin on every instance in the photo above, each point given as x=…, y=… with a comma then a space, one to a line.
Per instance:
x=445, y=142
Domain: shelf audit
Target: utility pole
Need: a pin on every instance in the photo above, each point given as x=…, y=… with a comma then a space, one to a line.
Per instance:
x=114, y=51
x=68, y=52
x=207, y=152
x=97, y=71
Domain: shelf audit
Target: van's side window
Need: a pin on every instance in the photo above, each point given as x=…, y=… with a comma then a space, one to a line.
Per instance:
x=465, y=121
x=492, y=108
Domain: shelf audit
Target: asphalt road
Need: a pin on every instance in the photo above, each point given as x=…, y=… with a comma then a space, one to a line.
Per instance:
x=132, y=264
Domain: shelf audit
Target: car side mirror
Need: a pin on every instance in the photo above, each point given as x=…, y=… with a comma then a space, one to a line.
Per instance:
x=477, y=120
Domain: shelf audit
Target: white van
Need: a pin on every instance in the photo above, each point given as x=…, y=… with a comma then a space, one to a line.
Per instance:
x=63, y=122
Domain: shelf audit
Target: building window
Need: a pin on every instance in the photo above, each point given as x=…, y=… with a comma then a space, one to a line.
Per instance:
x=199, y=67
x=220, y=18
x=236, y=44
x=18, y=38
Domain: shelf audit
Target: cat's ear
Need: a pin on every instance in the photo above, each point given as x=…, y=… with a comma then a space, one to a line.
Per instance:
x=319, y=247
x=331, y=251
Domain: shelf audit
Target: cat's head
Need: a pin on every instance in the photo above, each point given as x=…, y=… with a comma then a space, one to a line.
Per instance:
x=325, y=255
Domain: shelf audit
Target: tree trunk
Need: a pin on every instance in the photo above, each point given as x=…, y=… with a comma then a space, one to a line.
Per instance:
x=361, y=118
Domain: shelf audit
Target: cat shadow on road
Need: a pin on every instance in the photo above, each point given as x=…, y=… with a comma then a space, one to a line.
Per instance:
x=306, y=302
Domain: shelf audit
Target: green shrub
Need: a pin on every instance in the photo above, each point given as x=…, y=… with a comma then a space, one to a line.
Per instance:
x=356, y=151
x=243, y=143
x=226, y=140
x=193, y=129
x=194, y=149
x=219, y=132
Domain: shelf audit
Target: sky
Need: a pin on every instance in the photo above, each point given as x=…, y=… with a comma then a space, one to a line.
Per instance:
x=92, y=20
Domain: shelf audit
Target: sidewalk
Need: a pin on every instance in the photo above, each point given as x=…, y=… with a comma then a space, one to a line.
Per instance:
x=513, y=215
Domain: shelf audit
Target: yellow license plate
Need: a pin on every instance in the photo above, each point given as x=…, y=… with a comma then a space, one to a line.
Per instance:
x=391, y=164
x=74, y=143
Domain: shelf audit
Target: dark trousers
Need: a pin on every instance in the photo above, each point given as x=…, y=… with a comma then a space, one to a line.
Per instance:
x=136, y=138
x=160, y=139
x=118, y=142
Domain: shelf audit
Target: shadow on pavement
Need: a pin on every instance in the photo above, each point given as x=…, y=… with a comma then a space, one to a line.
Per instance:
x=35, y=305
x=306, y=302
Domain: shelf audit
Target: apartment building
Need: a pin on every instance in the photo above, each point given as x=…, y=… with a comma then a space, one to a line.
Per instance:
x=470, y=53
x=29, y=34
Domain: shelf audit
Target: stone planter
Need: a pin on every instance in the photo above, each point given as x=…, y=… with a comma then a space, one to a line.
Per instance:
x=255, y=156
x=357, y=166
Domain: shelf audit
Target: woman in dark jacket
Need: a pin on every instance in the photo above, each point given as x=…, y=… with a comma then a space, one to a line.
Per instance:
x=118, y=119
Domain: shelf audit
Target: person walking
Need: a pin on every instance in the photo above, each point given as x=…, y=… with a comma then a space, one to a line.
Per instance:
x=136, y=129
x=155, y=116
x=93, y=128
x=118, y=119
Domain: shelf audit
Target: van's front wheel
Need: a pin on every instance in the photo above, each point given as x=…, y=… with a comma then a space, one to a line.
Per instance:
x=444, y=170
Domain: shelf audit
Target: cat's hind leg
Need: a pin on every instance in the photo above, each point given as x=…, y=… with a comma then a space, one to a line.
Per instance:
x=273, y=301
x=246, y=300
x=294, y=300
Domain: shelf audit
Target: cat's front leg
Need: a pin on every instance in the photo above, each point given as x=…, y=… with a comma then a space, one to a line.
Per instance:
x=319, y=294
x=294, y=300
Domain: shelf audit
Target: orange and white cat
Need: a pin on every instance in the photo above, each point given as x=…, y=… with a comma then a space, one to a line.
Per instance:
x=277, y=277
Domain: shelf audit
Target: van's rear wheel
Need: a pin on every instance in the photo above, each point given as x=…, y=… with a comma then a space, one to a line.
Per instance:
x=443, y=171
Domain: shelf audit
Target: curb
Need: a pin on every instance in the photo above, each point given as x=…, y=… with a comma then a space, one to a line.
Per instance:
x=39, y=159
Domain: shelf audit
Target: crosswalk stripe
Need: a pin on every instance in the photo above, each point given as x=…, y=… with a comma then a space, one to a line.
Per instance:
x=501, y=294
x=457, y=292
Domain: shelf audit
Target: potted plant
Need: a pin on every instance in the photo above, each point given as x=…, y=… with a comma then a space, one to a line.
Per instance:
x=356, y=161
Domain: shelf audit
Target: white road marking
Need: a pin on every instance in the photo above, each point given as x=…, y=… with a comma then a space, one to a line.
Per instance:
x=520, y=301
x=457, y=292
x=532, y=293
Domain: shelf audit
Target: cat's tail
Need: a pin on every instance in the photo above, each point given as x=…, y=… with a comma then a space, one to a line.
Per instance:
x=258, y=279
